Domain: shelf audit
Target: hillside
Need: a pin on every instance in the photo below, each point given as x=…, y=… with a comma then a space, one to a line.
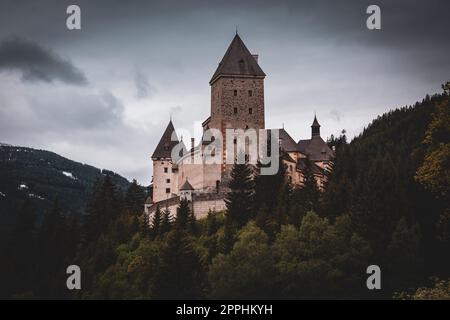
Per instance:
x=43, y=176
x=375, y=182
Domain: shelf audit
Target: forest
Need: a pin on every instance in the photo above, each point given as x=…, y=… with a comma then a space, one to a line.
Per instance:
x=386, y=203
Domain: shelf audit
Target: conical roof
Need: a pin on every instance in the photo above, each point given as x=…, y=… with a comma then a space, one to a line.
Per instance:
x=238, y=61
x=186, y=186
x=165, y=145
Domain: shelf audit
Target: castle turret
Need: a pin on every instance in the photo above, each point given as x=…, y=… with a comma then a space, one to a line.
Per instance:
x=164, y=179
x=315, y=128
x=186, y=191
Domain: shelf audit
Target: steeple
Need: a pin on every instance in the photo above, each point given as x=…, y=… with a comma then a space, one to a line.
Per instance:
x=238, y=61
x=165, y=145
x=315, y=128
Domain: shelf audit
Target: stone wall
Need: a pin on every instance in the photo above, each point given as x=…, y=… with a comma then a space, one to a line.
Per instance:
x=202, y=203
x=170, y=204
x=224, y=101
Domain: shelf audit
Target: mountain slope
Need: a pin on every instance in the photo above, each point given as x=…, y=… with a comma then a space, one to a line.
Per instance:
x=43, y=176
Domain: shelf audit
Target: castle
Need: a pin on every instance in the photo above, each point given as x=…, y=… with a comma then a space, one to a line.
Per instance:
x=237, y=105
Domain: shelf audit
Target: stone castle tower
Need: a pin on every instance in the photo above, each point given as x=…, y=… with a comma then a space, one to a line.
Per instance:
x=237, y=92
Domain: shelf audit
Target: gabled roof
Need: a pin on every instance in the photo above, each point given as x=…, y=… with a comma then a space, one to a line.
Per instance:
x=238, y=61
x=316, y=149
x=186, y=186
x=302, y=163
x=286, y=142
x=302, y=144
x=165, y=145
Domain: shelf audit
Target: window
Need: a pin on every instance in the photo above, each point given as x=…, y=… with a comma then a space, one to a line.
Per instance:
x=167, y=180
x=166, y=170
x=235, y=140
x=167, y=190
x=235, y=93
x=217, y=185
x=235, y=110
x=250, y=93
x=250, y=110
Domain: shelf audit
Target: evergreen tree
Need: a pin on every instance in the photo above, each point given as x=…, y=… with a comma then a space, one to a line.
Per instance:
x=104, y=207
x=180, y=273
x=166, y=223
x=51, y=249
x=306, y=197
x=229, y=234
x=239, y=200
x=146, y=229
x=134, y=198
x=266, y=186
x=156, y=224
x=192, y=223
x=211, y=223
x=403, y=257
x=182, y=219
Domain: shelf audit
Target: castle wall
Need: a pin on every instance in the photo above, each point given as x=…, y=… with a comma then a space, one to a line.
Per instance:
x=201, y=204
x=201, y=208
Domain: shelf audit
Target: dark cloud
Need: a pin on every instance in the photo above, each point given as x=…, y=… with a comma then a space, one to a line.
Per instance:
x=37, y=63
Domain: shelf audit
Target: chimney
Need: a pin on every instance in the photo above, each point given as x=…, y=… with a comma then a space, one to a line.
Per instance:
x=255, y=56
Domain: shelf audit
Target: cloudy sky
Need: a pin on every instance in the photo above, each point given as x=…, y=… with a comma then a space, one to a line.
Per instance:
x=103, y=95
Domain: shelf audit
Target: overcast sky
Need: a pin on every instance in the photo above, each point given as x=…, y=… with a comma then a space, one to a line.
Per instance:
x=103, y=95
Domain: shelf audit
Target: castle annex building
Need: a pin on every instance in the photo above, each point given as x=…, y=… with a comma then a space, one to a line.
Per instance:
x=237, y=103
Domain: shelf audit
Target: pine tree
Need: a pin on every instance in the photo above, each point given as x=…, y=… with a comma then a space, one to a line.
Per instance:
x=166, y=223
x=272, y=193
x=103, y=208
x=267, y=222
x=51, y=249
x=306, y=197
x=229, y=236
x=145, y=228
x=211, y=223
x=183, y=215
x=180, y=274
x=239, y=200
x=403, y=257
x=134, y=198
x=192, y=223
x=266, y=186
x=156, y=223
